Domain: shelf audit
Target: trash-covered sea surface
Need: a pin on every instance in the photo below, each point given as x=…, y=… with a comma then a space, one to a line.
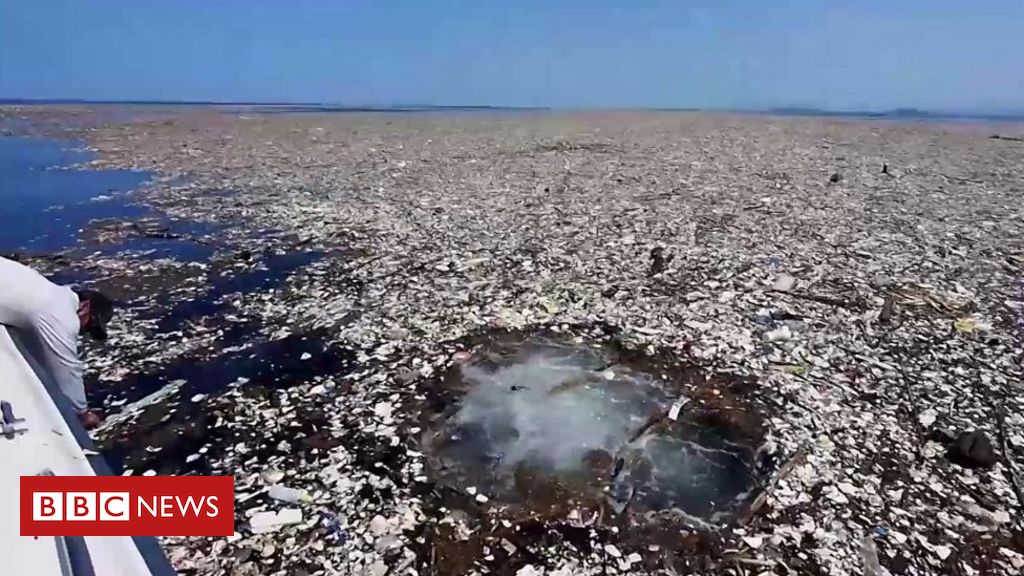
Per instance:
x=554, y=343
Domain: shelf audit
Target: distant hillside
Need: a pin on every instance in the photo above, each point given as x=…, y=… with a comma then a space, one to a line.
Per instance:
x=898, y=113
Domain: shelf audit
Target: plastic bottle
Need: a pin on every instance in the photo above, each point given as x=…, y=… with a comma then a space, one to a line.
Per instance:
x=286, y=494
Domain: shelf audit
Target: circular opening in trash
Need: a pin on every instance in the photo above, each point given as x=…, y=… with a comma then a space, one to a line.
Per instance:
x=562, y=428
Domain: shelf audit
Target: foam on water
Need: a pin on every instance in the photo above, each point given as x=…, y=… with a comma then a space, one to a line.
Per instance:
x=553, y=407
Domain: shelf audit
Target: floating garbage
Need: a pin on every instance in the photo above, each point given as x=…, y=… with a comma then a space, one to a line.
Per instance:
x=262, y=522
x=907, y=297
x=286, y=494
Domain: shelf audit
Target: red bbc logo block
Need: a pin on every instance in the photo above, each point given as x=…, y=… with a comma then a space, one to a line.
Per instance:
x=127, y=506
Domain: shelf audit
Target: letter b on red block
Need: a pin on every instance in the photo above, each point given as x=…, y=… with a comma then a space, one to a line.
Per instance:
x=48, y=506
x=80, y=506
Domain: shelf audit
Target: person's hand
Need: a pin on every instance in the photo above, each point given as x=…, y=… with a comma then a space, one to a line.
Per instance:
x=89, y=419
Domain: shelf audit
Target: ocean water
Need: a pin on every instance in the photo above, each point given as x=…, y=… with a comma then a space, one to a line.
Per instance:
x=44, y=204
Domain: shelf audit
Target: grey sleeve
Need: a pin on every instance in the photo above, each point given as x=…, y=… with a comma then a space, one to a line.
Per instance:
x=59, y=357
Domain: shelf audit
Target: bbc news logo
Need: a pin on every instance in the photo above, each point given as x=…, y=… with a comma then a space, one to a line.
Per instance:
x=127, y=506
x=116, y=506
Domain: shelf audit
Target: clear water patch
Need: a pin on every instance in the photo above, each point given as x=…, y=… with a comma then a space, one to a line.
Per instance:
x=45, y=201
x=569, y=430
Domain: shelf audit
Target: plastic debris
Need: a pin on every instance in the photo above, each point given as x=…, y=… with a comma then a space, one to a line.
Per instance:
x=263, y=522
x=784, y=283
x=869, y=555
x=286, y=494
x=272, y=476
x=677, y=406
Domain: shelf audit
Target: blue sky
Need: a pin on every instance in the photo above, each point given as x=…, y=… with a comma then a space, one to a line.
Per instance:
x=870, y=54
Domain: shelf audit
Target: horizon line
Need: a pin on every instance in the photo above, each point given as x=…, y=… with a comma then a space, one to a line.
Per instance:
x=906, y=112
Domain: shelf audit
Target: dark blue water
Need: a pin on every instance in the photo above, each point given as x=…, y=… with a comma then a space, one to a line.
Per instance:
x=274, y=270
x=180, y=427
x=45, y=204
x=43, y=207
